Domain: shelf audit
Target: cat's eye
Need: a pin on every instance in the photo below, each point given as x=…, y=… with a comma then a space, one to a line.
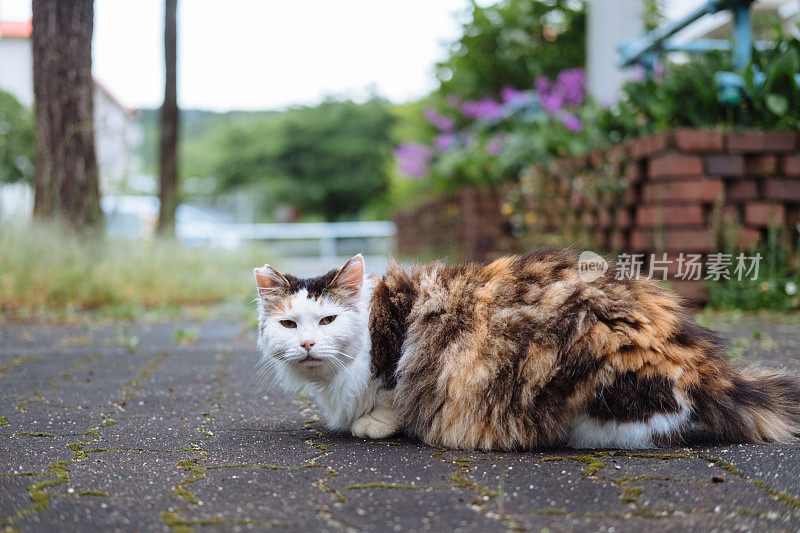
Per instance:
x=288, y=323
x=327, y=320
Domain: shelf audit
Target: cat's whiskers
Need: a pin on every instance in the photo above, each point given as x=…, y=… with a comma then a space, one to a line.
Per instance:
x=262, y=372
x=341, y=365
x=346, y=355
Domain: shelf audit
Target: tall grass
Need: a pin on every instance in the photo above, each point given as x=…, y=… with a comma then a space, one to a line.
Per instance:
x=45, y=269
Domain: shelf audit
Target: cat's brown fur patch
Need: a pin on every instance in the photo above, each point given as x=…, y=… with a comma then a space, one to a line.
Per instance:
x=506, y=355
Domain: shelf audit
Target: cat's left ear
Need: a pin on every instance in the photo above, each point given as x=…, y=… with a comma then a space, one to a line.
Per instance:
x=351, y=277
x=270, y=282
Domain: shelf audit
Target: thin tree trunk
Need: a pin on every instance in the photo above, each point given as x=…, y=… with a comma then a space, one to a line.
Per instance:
x=168, y=193
x=65, y=177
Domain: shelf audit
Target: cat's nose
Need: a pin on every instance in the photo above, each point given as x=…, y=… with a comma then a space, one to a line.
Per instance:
x=307, y=345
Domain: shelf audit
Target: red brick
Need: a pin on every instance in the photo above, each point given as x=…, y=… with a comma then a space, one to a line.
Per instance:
x=761, y=165
x=762, y=141
x=642, y=240
x=782, y=190
x=764, y=214
x=730, y=214
x=724, y=165
x=633, y=171
x=699, y=140
x=616, y=156
x=604, y=218
x=791, y=165
x=599, y=238
x=707, y=191
x=674, y=165
x=617, y=240
x=689, y=241
x=653, y=144
x=740, y=191
x=596, y=158
x=748, y=239
x=622, y=218
x=700, y=240
x=676, y=215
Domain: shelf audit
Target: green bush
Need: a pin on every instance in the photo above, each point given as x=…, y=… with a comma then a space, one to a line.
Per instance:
x=512, y=42
x=17, y=140
x=685, y=95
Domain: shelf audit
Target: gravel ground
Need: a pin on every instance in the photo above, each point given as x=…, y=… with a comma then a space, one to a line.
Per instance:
x=128, y=428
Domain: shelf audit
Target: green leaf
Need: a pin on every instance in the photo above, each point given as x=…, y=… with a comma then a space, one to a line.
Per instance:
x=777, y=103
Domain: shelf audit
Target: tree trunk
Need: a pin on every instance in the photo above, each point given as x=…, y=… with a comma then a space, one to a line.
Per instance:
x=168, y=193
x=65, y=176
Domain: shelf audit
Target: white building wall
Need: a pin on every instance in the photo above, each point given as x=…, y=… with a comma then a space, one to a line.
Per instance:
x=117, y=139
x=16, y=69
x=118, y=135
x=609, y=22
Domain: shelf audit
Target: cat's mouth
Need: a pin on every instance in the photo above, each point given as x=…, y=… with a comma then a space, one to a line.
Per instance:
x=309, y=360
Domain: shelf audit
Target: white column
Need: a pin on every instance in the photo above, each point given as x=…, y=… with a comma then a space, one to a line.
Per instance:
x=609, y=22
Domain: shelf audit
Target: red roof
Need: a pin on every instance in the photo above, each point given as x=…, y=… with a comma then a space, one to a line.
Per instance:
x=16, y=29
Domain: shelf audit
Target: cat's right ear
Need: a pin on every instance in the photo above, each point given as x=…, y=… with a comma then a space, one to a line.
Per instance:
x=270, y=282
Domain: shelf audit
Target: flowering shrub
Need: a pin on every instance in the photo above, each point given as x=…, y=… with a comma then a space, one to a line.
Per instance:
x=489, y=140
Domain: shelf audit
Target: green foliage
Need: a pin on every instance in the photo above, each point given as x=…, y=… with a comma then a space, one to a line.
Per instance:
x=653, y=14
x=17, y=140
x=777, y=285
x=686, y=96
x=330, y=160
x=511, y=43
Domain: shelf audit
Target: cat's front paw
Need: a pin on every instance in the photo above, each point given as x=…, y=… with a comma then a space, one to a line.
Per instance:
x=370, y=426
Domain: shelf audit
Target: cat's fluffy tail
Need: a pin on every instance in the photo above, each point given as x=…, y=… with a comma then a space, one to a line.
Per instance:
x=752, y=405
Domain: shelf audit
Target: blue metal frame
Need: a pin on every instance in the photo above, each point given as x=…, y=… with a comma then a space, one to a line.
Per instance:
x=645, y=50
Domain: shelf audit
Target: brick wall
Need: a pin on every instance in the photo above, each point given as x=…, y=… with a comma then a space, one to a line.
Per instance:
x=467, y=224
x=690, y=191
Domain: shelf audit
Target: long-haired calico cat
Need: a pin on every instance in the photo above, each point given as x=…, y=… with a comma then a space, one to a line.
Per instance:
x=520, y=353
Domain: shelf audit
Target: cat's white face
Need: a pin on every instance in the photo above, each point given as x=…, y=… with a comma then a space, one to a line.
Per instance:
x=310, y=330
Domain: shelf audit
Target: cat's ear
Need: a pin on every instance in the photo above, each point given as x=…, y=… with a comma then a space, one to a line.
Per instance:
x=270, y=282
x=351, y=277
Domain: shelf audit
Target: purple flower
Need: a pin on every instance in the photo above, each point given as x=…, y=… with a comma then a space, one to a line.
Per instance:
x=571, y=83
x=512, y=95
x=494, y=146
x=639, y=72
x=569, y=89
x=442, y=123
x=445, y=141
x=483, y=109
x=572, y=122
x=542, y=85
x=414, y=159
x=551, y=102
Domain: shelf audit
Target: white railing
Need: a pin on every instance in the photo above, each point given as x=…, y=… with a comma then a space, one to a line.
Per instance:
x=327, y=233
